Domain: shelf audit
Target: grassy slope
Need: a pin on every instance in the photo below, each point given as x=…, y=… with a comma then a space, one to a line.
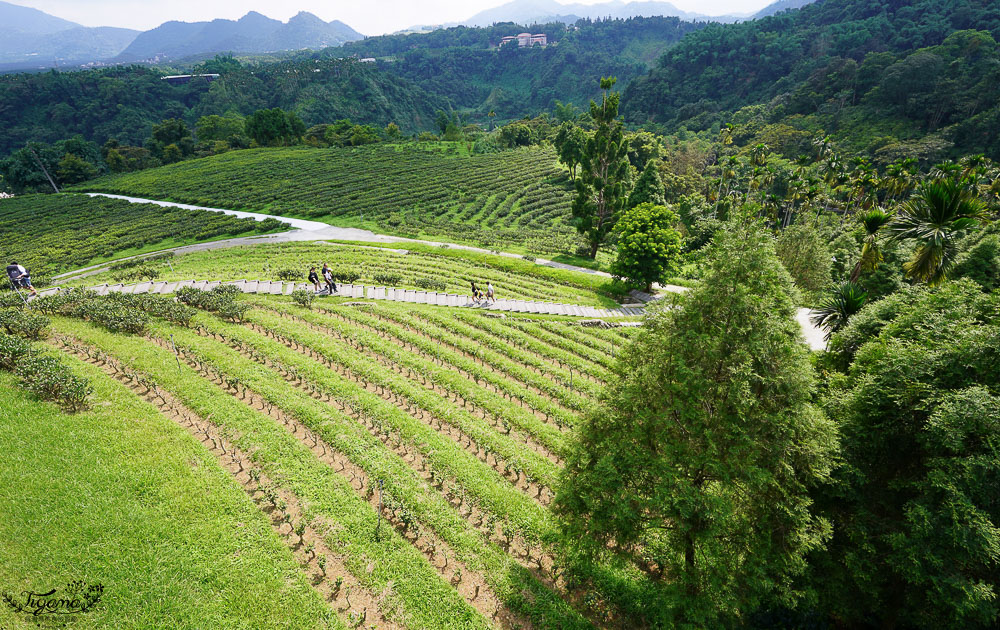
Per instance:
x=120, y=496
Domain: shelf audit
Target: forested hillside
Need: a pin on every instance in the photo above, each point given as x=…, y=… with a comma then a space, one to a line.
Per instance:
x=463, y=64
x=872, y=72
x=124, y=102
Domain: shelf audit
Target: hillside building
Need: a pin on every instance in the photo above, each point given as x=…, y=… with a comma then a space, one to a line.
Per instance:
x=181, y=79
x=526, y=40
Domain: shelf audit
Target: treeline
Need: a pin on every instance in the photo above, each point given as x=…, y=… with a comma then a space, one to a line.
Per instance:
x=125, y=102
x=873, y=72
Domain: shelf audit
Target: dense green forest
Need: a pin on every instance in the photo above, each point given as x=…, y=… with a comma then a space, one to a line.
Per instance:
x=463, y=64
x=125, y=102
x=874, y=73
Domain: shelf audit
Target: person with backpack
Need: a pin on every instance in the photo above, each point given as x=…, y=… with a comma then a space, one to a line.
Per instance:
x=314, y=278
x=19, y=277
x=331, y=286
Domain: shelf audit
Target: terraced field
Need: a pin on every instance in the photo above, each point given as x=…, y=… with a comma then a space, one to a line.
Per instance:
x=443, y=270
x=405, y=454
x=517, y=198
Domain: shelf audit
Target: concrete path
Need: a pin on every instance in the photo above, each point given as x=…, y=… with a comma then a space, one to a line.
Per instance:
x=266, y=287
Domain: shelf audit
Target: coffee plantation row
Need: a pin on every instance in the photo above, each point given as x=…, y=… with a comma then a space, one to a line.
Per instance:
x=53, y=233
x=448, y=425
x=514, y=198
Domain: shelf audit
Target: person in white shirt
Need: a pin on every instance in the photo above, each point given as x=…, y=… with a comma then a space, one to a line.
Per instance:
x=19, y=277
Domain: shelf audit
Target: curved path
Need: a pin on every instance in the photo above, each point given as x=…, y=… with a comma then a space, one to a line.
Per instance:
x=316, y=231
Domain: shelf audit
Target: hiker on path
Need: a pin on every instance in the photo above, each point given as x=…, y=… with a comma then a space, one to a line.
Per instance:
x=331, y=286
x=475, y=292
x=19, y=277
x=489, y=292
x=314, y=278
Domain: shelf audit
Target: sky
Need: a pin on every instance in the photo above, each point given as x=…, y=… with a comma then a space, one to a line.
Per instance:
x=373, y=17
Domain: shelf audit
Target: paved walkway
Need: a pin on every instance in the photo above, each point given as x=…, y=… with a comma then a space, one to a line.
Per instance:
x=266, y=287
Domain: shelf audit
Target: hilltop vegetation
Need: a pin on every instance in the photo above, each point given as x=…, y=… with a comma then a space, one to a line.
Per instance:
x=873, y=73
x=512, y=198
x=125, y=102
x=463, y=64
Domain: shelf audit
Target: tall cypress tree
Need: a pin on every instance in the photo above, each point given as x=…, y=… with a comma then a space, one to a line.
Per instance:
x=601, y=188
x=649, y=188
x=701, y=455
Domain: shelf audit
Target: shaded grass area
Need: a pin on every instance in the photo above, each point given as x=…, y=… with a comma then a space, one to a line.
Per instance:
x=120, y=496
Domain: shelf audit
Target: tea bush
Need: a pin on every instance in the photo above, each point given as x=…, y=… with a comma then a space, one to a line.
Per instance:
x=23, y=323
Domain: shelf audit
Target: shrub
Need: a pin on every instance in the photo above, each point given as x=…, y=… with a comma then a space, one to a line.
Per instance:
x=388, y=278
x=303, y=298
x=234, y=311
x=528, y=257
x=116, y=317
x=23, y=323
x=49, y=379
x=10, y=299
x=290, y=275
x=13, y=350
x=431, y=284
x=346, y=275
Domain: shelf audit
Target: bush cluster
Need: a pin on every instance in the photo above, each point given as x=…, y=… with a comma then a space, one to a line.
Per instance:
x=44, y=376
x=23, y=323
x=431, y=284
x=303, y=298
x=220, y=300
x=117, y=312
x=388, y=278
x=347, y=275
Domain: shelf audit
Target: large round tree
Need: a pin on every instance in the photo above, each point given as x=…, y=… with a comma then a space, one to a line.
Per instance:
x=701, y=454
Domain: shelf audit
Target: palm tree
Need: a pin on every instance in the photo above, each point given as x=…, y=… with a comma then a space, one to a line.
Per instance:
x=871, y=253
x=833, y=314
x=491, y=115
x=933, y=216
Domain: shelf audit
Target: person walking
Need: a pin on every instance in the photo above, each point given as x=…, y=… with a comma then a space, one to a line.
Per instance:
x=331, y=286
x=19, y=277
x=489, y=293
x=314, y=278
x=475, y=292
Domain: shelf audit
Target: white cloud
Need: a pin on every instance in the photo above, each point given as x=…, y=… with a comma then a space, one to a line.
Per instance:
x=370, y=18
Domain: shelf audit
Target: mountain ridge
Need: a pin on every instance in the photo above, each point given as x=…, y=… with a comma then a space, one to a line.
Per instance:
x=252, y=33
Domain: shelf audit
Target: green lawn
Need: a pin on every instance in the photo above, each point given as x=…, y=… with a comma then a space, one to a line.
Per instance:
x=121, y=496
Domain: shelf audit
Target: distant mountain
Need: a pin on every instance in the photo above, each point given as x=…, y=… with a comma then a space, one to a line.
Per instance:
x=74, y=45
x=27, y=20
x=253, y=33
x=781, y=5
x=32, y=38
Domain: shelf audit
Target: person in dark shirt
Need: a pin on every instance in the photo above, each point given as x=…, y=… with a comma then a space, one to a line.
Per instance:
x=314, y=278
x=19, y=277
